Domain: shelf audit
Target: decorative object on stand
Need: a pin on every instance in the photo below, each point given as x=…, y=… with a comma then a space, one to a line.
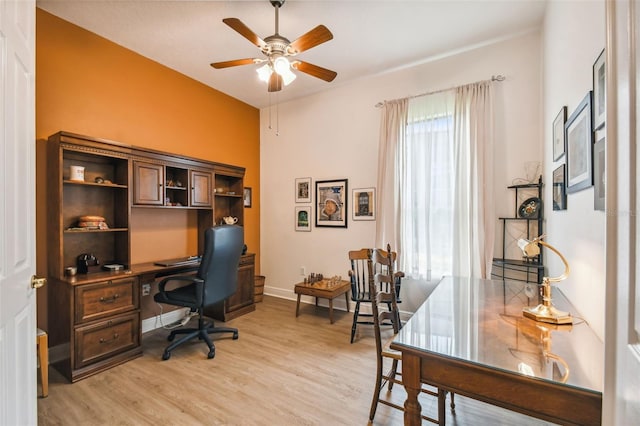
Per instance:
x=530, y=208
x=599, y=168
x=303, y=218
x=559, y=188
x=246, y=197
x=277, y=70
x=559, y=141
x=545, y=311
x=331, y=203
x=364, y=204
x=579, y=147
x=599, y=92
x=303, y=190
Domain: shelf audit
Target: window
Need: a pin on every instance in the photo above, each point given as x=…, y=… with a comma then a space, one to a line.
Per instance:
x=427, y=179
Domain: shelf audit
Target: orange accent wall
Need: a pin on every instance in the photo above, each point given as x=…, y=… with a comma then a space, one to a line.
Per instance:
x=89, y=85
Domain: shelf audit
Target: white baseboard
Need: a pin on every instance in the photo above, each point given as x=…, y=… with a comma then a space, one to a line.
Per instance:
x=152, y=323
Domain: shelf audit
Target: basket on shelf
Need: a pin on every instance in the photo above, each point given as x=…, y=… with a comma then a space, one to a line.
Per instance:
x=259, y=288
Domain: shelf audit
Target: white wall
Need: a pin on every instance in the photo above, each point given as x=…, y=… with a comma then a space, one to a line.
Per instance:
x=334, y=135
x=573, y=37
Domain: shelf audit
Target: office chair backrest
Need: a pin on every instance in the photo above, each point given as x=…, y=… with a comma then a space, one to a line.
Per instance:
x=219, y=266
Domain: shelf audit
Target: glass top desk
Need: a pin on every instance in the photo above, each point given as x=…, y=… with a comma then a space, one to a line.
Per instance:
x=469, y=337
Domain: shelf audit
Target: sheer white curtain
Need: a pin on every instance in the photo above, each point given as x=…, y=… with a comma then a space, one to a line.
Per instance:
x=474, y=213
x=392, y=132
x=435, y=180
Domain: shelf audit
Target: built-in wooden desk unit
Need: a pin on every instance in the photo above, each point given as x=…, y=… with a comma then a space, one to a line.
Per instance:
x=94, y=319
x=469, y=337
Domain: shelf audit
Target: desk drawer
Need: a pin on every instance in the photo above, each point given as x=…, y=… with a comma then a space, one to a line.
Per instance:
x=99, y=300
x=103, y=339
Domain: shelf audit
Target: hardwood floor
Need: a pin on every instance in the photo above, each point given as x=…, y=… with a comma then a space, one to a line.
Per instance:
x=282, y=370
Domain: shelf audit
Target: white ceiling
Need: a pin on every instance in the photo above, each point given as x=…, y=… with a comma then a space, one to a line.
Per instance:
x=370, y=37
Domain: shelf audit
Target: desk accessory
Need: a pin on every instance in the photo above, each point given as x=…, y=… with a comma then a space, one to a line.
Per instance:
x=85, y=260
x=545, y=311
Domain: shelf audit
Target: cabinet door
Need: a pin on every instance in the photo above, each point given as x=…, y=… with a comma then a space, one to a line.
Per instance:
x=201, y=188
x=147, y=183
x=245, y=292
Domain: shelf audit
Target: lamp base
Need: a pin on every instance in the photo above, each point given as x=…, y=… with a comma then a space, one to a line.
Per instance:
x=548, y=314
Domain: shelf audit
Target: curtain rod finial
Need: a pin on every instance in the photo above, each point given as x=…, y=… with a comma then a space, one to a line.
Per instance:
x=498, y=77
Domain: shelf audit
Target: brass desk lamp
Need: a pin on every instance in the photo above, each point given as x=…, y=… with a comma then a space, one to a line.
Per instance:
x=545, y=311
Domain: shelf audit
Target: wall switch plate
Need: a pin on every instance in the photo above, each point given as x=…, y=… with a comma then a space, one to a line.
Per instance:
x=146, y=289
x=302, y=271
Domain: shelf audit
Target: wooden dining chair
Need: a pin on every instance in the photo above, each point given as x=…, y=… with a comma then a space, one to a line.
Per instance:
x=360, y=281
x=385, y=310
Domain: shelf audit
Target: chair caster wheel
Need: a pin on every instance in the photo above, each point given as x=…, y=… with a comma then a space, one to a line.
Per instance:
x=235, y=336
x=166, y=355
x=211, y=353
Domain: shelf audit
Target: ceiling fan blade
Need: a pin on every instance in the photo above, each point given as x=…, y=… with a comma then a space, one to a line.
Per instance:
x=316, y=36
x=245, y=32
x=275, y=82
x=234, y=63
x=314, y=70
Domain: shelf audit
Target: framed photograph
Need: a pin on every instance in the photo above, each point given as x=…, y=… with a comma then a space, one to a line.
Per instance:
x=559, y=188
x=579, y=147
x=331, y=203
x=599, y=179
x=559, y=143
x=364, y=204
x=247, y=196
x=303, y=218
x=599, y=92
x=303, y=190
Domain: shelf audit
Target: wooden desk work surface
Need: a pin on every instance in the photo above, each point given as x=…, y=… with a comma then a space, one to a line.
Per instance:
x=323, y=289
x=469, y=337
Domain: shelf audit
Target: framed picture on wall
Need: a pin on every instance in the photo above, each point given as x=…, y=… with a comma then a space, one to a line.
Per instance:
x=331, y=203
x=247, y=197
x=364, y=204
x=599, y=171
x=599, y=92
x=559, y=188
x=303, y=218
x=579, y=147
x=303, y=190
x=559, y=143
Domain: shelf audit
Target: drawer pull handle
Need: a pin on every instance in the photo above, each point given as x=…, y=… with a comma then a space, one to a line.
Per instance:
x=109, y=299
x=115, y=337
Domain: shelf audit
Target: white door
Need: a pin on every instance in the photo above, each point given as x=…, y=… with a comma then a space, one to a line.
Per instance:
x=17, y=213
x=621, y=404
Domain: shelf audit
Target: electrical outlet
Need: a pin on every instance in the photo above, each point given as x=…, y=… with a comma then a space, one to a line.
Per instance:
x=146, y=289
x=302, y=271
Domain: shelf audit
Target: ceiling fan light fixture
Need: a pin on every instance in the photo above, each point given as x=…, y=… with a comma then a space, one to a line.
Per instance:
x=282, y=66
x=264, y=72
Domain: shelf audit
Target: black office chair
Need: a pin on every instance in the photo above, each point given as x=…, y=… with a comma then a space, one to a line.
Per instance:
x=216, y=280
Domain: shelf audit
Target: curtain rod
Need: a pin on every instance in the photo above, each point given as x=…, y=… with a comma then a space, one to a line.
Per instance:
x=498, y=77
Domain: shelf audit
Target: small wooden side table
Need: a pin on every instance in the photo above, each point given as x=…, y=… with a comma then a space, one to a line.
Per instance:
x=323, y=289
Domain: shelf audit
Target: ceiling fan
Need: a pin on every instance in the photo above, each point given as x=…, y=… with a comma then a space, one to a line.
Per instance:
x=277, y=49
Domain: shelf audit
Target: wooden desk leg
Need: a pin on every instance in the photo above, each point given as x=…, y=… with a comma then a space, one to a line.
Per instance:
x=411, y=381
x=442, y=399
x=331, y=310
x=43, y=354
x=346, y=298
x=298, y=305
